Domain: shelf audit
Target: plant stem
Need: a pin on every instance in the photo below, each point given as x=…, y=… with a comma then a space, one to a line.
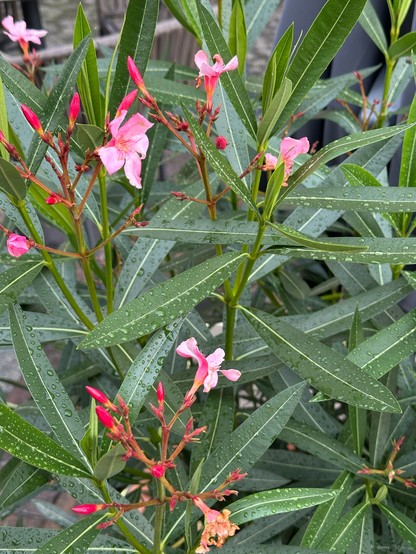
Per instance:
x=384, y=104
x=53, y=269
x=107, y=246
x=160, y=510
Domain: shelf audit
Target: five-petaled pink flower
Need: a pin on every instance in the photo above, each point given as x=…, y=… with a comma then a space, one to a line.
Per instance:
x=17, y=32
x=208, y=366
x=290, y=149
x=127, y=147
x=17, y=245
x=212, y=73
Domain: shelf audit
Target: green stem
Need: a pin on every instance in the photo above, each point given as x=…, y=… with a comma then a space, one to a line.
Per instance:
x=107, y=247
x=220, y=13
x=121, y=525
x=53, y=269
x=89, y=278
x=387, y=80
x=160, y=510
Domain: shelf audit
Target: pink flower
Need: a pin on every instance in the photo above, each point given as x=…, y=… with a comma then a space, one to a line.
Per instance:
x=127, y=147
x=208, y=367
x=17, y=32
x=17, y=245
x=211, y=74
x=217, y=528
x=74, y=109
x=270, y=162
x=290, y=148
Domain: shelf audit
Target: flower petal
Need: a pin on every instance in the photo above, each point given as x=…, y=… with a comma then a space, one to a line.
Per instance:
x=216, y=358
x=132, y=169
x=211, y=380
x=290, y=148
x=231, y=65
x=199, y=58
x=231, y=374
x=111, y=158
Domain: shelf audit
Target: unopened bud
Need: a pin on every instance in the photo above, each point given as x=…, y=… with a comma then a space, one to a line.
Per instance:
x=74, y=109
x=221, y=143
x=88, y=508
x=53, y=199
x=32, y=119
x=127, y=102
x=105, y=418
x=134, y=73
x=158, y=471
x=101, y=397
x=160, y=393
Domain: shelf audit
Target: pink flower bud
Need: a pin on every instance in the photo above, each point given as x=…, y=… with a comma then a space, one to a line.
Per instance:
x=88, y=508
x=160, y=393
x=74, y=109
x=221, y=143
x=53, y=199
x=158, y=471
x=17, y=245
x=134, y=73
x=97, y=395
x=105, y=418
x=32, y=119
x=127, y=101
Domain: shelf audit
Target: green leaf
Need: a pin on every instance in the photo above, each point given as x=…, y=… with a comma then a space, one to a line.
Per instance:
x=89, y=137
x=23, y=440
x=338, y=147
x=326, y=369
x=11, y=181
x=19, y=481
x=370, y=22
x=110, y=463
x=219, y=163
x=15, y=280
x=191, y=13
x=231, y=81
x=44, y=384
x=402, y=46
x=323, y=40
x=170, y=92
x=21, y=88
x=321, y=445
x=267, y=503
x=136, y=40
x=57, y=103
x=273, y=111
x=344, y=531
x=176, y=8
x=405, y=526
x=163, y=303
x=276, y=68
x=258, y=15
x=76, y=538
x=237, y=41
x=251, y=439
x=408, y=162
x=56, y=214
x=327, y=515
x=4, y=122
x=88, y=81
x=304, y=240
x=357, y=417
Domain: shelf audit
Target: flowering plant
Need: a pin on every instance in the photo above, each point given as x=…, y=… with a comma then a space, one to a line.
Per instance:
x=285, y=267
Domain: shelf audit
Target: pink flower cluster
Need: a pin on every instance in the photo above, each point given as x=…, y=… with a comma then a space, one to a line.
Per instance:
x=211, y=74
x=18, y=32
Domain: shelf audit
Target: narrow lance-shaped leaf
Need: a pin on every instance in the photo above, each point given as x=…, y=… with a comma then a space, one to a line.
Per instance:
x=370, y=22
x=238, y=34
x=276, y=68
x=4, y=122
x=23, y=440
x=342, y=534
x=267, y=503
x=402, y=46
x=219, y=163
x=163, y=303
x=44, y=384
x=405, y=526
x=273, y=112
x=136, y=40
x=357, y=416
x=15, y=280
x=326, y=369
x=11, y=181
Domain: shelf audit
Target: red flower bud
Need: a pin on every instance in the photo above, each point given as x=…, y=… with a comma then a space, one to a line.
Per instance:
x=53, y=199
x=221, y=143
x=97, y=395
x=105, y=418
x=32, y=119
x=134, y=73
x=160, y=393
x=74, y=109
x=158, y=471
x=88, y=508
x=127, y=101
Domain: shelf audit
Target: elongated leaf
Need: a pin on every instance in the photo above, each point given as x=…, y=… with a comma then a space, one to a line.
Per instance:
x=15, y=280
x=273, y=112
x=408, y=162
x=21, y=88
x=76, y=538
x=321, y=365
x=323, y=40
x=163, y=303
x=19, y=481
x=11, y=181
x=357, y=417
x=57, y=103
x=238, y=35
x=4, y=122
x=44, y=384
x=266, y=503
x=370, y=22
x=24, y=441
x=258, y=15
x=219, y=163
x=88, y=81
x=136, y=40
x=405, y=526
x=231, y=81
x=276, y=68
x=252, y=438
x=344, y=531
x=327, y=515
x=402, y=46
